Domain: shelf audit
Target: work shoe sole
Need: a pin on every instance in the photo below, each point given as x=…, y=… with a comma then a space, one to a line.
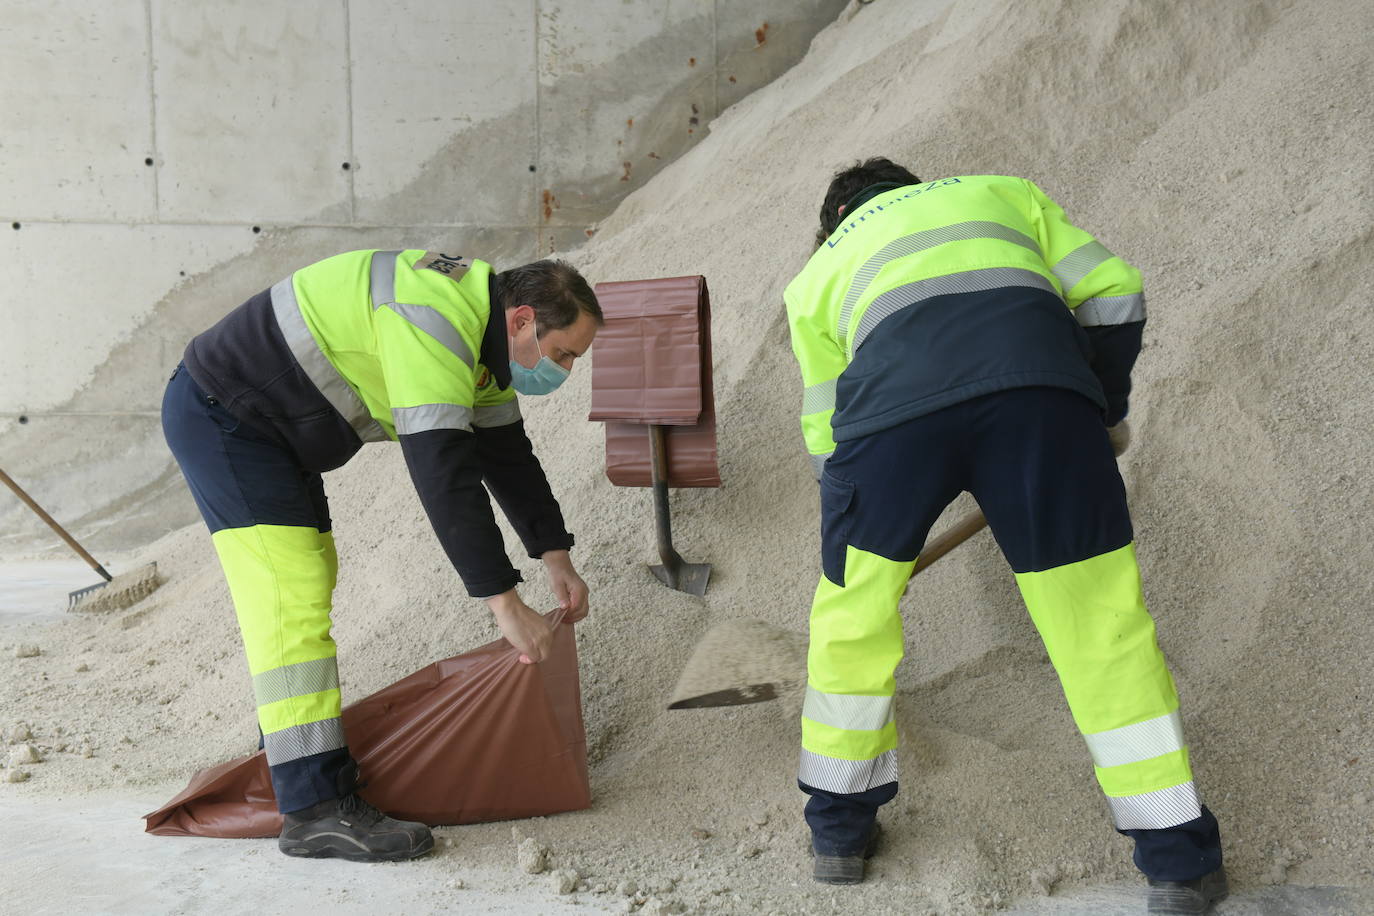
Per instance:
x=1188, y=898
x=845, y=869
x=341, y=846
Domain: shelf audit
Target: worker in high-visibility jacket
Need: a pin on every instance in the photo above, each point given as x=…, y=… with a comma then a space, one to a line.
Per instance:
x=368, y=346
x=962, y=335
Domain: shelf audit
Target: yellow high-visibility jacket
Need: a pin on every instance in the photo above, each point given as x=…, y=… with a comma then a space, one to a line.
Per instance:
x=931, y=294
x=370, y=346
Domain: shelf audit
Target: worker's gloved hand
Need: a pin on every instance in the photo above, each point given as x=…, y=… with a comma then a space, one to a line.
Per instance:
x=523, y=627
x=1120, y=436
x=567, y=585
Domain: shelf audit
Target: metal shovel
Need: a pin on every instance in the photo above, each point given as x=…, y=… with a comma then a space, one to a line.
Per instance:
x=749, y=661
x=675, y=572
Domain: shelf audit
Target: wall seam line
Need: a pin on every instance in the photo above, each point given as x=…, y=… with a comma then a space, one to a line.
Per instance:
x=715, y=60
x=538, y=233
x=152, y=110
x=348, y=91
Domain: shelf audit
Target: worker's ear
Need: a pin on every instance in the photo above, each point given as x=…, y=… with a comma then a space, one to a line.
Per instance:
x=517, y=318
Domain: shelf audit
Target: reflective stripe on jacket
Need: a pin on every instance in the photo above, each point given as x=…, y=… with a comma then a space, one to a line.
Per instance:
x=931, y=294
x=404, y=329
x=368, y=346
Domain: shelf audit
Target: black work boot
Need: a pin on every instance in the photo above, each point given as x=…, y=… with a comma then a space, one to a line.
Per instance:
x=845, y=869
x=350, y=828
x=1194, y=896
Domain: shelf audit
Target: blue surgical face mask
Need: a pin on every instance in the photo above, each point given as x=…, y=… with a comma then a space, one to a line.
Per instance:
x=546, y=375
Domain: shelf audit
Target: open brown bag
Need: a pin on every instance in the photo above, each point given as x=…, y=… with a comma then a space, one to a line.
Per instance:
x=476, y=737
x=652, y=365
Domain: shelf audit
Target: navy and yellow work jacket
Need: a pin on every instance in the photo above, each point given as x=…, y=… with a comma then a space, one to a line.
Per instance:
x=372, y=346
x=931, y=294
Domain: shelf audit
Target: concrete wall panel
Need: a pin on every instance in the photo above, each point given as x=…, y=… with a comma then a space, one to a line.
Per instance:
x=252, y=111
x=75, y=111
x=81, y=288
x=249, y=111
x=624, y=88
x=454, y=80
x=757, y=41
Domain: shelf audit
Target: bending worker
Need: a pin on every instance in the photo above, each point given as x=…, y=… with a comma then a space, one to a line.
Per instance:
x=369, y=346
x=962, y=335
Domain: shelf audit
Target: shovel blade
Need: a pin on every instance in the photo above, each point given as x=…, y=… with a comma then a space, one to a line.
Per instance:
x=732, y=696
x=691, y=577
x=741, y=661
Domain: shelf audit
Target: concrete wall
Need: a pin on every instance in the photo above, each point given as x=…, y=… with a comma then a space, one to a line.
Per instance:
x=161, y=160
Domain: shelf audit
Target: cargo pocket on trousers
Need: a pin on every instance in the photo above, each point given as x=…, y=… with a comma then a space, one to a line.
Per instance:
x=837, y=495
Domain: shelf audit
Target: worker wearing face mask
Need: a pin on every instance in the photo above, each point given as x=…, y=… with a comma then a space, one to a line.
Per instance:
x=421, y=347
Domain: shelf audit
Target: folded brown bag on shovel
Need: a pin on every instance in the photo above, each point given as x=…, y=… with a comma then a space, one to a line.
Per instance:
x=477, y=737
x=651, y=386
x=652, y=366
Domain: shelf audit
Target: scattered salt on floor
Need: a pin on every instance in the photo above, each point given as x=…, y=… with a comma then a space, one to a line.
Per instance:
x=1221, y=147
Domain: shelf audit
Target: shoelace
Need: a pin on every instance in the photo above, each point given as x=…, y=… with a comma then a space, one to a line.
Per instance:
x=353, y=807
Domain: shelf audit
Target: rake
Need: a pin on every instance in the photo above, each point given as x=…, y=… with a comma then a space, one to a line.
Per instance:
x=116, y=592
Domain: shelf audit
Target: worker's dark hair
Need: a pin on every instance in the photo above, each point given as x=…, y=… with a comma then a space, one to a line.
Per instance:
x=847, y=187
x=554, y=289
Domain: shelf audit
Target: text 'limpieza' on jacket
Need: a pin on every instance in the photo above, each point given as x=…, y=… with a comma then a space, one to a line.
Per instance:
x=370, y=346
x=931, y=294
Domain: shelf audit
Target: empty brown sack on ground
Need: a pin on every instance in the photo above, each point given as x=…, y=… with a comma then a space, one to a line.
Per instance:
x=476, y=737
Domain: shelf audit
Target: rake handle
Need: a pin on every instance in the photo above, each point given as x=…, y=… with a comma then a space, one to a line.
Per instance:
x=52, y=523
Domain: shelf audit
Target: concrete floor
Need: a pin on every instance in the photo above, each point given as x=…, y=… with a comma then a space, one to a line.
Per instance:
x=1129, y=898
x=90, y=855
x=35, y=591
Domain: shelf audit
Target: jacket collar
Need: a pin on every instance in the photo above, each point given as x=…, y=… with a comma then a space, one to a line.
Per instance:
x=495, y=348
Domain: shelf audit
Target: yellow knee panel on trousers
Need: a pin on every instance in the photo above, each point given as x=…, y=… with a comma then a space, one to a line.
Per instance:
x=281, y=578
x=1092, y=618
x=331, y=558
x=1101, y=639
x=281, y=582
x=856, y=632
x=856, y=643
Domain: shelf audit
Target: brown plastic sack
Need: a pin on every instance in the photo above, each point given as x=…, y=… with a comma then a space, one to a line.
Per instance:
x=652, y=364
x=476, y=737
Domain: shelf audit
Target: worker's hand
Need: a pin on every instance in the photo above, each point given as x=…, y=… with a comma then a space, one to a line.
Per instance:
x=523, y=627
x=1120, y=436
x=567, y=585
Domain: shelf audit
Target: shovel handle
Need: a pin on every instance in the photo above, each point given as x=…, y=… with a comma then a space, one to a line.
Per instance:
x=961, y=531
x=52, y=523
x=663, y=524
x=974, y=522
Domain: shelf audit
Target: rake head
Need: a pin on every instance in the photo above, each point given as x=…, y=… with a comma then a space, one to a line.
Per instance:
x=122, y=591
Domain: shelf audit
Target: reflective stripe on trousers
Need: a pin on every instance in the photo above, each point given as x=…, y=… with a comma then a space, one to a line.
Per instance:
x=281, y=579
x=1101, y=639
x=849, y=737
x=1039, y=463
x=269, y=522
x=1109, y=664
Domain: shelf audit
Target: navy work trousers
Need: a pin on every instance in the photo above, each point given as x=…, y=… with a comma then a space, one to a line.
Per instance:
x=269, y=520
x=1038, y=462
